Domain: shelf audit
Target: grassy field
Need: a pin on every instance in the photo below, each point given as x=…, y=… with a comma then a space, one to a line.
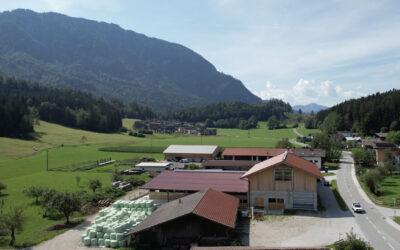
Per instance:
x=302, y=130
x=23, y=163
x=51, y=135
x=390, y=189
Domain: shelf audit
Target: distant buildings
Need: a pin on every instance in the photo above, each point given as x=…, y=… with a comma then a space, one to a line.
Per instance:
x=168, y=127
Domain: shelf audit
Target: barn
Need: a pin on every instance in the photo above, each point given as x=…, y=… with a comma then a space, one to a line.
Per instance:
x=196, y=153
x=206, y=218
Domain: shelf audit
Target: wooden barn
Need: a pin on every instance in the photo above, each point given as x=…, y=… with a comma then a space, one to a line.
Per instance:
x=205, y=218
x=285, y=181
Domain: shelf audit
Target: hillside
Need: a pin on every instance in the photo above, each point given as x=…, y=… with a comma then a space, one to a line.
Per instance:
x=307, y=109
x=108, y=61
x=366, y=115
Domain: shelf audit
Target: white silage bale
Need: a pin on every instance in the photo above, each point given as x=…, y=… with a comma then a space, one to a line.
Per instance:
x=83, y=236
x=107, y=242
x=87, y=241
x=99, y=228
x=93, y=242
x=101, y=242
x=122, y=243
x=92, y=234
x=119, y=236
x=114, y=244
x=99, y=235
x=113, y=236
x=106, y=236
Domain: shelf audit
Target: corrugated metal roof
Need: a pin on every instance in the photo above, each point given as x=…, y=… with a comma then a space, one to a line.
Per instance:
x=289, y=159
x=210, y=204
x=191, y=149
x=196, y=181
x=253, y=151
x=303, y=152
x=153, y=164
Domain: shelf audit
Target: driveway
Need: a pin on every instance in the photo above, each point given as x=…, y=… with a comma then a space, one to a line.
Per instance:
x=307, y=229
x=293, y=141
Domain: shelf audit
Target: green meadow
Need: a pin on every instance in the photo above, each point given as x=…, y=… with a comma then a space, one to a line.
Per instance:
x=23, y=163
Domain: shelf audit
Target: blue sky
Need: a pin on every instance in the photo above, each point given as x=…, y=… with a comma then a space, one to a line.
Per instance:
x=299, y=51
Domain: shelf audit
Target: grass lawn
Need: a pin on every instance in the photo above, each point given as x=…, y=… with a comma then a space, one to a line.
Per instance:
x=390, y=189
x=337, y=195
x=328, y=174
x=304, y=131
x=23, y=163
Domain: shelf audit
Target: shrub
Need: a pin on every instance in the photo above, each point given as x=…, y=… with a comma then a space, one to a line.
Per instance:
x=94, y=184
x=352, y=241
x=123, y=129
x=135, y=180
x=2, y=187
x=193, y=166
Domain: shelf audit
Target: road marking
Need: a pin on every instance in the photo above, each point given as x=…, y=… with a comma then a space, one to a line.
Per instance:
x=390, y=245
x=383, y=237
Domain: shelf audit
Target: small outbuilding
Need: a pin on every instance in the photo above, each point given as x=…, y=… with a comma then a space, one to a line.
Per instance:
x=192, y=152
x=205, y=218
x=154, y=166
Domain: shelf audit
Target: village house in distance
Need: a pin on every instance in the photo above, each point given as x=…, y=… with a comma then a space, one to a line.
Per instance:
x=168, y=127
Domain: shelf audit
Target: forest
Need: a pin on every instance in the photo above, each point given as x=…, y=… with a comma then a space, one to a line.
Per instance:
x=366, y=115
x=21, y=103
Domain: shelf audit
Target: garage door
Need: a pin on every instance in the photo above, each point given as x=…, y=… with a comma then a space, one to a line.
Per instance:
x=303, y=200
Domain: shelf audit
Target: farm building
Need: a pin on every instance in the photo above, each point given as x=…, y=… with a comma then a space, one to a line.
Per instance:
x=171, y=185
x=285, y=181
x=228, y=165
x=261, y=154
x=192, y=152
x=154, y=166
x=206, y=217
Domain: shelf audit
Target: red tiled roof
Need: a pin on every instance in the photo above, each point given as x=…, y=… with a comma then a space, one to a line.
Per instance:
x=289, y=159
x=196, y=180
x=218, y=207
x=209, y=204
x=253, y=151
x=228, y=163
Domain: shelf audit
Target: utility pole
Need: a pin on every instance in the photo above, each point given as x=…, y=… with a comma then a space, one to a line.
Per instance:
x=47, y=159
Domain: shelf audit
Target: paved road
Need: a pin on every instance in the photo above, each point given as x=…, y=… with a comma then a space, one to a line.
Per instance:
x=376, y=227
x=293, y=141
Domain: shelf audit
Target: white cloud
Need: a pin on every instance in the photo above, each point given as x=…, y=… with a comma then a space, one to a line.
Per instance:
x=309, y=91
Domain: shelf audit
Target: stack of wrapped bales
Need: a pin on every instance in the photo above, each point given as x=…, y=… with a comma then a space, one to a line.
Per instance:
x=111, y=225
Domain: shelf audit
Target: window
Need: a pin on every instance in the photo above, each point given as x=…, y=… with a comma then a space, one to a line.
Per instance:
x=282, y=174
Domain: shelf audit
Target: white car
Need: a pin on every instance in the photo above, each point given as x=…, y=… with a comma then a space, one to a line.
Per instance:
x=357, y=207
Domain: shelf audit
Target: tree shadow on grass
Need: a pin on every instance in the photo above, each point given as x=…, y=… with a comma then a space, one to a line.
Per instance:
x=3, y=195
x=73, y=223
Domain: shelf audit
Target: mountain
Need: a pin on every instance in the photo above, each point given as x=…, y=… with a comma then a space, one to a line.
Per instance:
x=108, y=61
x=309, y=107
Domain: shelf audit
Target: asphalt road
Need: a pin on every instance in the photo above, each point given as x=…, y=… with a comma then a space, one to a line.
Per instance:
x=374, y=225
x=293, y=141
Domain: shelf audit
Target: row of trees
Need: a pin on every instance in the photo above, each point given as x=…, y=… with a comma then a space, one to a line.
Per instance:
x=231, y=114
x=252, y=122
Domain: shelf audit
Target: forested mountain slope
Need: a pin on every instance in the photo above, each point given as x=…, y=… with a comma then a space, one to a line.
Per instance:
x=108, y=61
x=366, y=115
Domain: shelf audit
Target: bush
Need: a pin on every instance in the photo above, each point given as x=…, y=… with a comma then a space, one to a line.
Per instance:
x=193, y=166
x=131, y=133
x=102, y=194
x=135, y=180
x=372, y=180
x=2, y=187
x=94, y=184
x=352, y=241
x=123, y=129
